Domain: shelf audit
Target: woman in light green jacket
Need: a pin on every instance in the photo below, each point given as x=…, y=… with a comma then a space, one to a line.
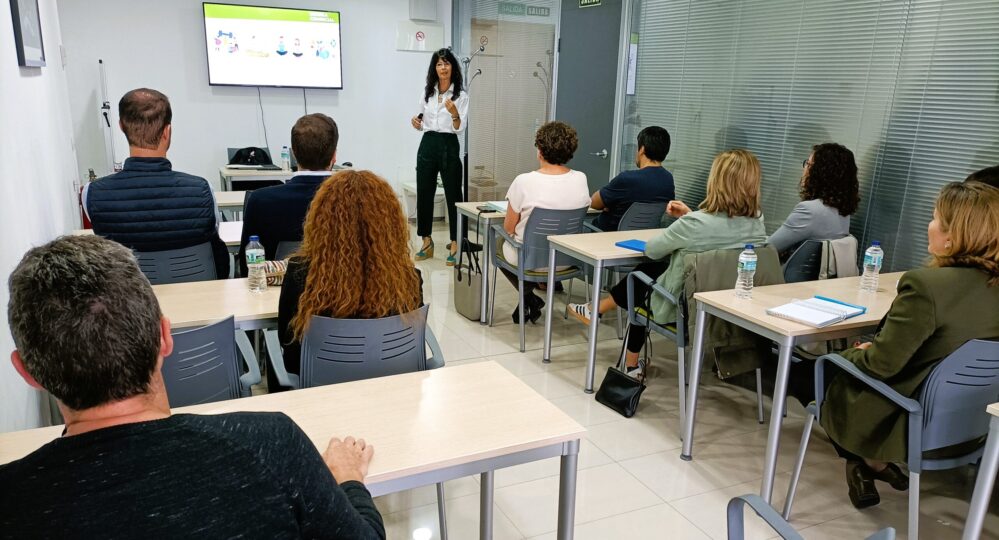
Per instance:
x=730, y=216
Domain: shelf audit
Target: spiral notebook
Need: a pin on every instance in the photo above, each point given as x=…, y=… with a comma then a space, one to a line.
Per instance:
x=818, y=312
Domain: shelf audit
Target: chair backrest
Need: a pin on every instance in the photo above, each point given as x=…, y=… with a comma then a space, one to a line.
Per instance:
x=642, y=215
x=285, y=249
x=543, y=223
x=343, y=350
x=195, y=263
x=204, y=366
x=956, y=393
x=805, y=263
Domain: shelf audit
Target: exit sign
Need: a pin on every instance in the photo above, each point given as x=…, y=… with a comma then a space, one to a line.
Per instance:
x=520, y=9
x=589, y=3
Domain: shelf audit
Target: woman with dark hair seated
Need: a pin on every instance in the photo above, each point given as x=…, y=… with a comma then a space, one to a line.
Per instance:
x=354, y=261
x=830, y=194
x=938, y=308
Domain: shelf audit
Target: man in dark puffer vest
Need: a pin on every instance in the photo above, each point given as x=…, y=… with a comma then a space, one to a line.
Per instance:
x=148, y=206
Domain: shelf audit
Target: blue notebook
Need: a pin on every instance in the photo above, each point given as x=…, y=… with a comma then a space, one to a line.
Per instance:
x=634, y=245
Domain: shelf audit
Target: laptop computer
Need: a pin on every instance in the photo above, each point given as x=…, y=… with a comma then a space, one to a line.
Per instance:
x=264, y=167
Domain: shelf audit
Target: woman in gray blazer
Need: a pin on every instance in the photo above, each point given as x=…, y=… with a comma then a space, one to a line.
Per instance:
x=830, y=193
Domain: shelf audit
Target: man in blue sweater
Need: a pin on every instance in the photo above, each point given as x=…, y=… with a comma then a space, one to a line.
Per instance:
x=649, y=183
x=148, y=206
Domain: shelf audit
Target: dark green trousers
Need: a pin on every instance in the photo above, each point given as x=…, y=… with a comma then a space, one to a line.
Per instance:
x=438, y=154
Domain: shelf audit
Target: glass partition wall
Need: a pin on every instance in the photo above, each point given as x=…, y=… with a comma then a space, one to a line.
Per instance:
x=909, y=85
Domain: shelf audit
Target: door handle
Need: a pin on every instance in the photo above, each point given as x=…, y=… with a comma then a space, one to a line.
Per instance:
x=601, y=154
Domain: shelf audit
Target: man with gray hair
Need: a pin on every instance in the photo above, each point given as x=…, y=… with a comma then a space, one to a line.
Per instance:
x=88, y=328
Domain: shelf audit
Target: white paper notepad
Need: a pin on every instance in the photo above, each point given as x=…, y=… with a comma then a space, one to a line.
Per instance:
x=498, y=206
x=817, y=312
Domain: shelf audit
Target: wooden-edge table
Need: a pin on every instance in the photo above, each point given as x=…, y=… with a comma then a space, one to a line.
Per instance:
x=986, y=478
x=229, y=231
x=470, y=211
x=201, y=303
x=751, y=315
x=426, y=427
x=598, y=250
x=227, y=175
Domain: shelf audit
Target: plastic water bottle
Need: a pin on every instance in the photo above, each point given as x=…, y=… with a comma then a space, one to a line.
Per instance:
x=747, y=268
x=255, y=265
x=285, y=158
x=873, y=258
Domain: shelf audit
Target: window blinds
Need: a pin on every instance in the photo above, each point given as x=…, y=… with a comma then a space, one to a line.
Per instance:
x=912, y=87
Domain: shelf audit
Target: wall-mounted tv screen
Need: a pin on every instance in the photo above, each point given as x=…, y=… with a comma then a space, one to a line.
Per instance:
x=263, y=46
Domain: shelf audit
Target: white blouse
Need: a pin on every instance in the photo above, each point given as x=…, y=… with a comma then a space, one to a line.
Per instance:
x=436, y=117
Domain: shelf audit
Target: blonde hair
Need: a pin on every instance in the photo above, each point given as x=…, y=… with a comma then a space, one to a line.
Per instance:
x=969, y=212
x=734, y=185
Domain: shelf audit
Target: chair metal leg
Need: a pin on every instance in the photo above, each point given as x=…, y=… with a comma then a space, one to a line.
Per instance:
x=523, y=315
x=913, y=505
x=798, y=464
x=568, y=298
x=759, y=395
x=681, y=364
x=492, y=298
x=441, y=514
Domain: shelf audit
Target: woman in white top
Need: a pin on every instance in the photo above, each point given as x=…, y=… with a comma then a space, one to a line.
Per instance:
x=443, y=111
x=553, y=186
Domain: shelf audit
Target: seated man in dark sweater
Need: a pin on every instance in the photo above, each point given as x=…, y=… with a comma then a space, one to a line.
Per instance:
x=89, y=330
x=650, y=183
x=277, y=214
x=148, y=206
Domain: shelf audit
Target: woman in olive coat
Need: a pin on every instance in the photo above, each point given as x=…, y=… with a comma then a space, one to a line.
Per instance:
x=938, y=308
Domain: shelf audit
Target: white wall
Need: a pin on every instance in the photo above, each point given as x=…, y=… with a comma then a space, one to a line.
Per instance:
x=160, y=44
x=37, y=171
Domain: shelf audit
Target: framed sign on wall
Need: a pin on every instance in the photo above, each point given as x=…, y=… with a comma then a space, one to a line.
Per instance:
x=27, y=33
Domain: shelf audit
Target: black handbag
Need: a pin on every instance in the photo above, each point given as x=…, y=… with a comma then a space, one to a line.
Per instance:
x=618, y=391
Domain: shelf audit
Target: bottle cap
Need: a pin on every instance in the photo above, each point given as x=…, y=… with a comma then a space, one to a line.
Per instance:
x=254, y=238
x=749, y=246
x=875, y=243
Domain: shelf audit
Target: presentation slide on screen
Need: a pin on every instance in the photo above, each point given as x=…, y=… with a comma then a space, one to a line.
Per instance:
x=256, y=46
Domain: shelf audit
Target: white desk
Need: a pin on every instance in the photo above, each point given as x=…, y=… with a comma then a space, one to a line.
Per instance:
x=229, y=231
x=230, y=199
x=598, y=250
x=226, y=176
x=426, y=427
x=203, y=302
x=751, y=315
x=986, y=479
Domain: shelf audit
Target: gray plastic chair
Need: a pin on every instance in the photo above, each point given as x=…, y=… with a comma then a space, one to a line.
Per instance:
x=678, y=332
x=195, y=263
x=736, y=520
x=533, y=253
x=805, y=263
x=640, y=216
x=285, y=249
x=950, y=411
x=343, y=350
x=204, y=366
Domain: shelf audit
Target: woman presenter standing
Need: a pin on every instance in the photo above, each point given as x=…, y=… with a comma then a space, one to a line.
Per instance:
x=444, y=108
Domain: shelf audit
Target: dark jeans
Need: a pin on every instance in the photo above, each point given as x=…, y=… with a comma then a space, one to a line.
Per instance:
x=619, y=292
x=438, y=153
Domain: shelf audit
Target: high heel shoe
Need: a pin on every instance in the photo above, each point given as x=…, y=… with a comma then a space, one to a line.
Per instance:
x=427, y=252
x=450, y=254
x=533, y=311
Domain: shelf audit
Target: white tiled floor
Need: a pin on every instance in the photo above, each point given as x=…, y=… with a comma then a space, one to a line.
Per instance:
x=632, y=483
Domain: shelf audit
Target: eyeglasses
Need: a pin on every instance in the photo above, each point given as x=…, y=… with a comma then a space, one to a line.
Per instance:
x=804, y=163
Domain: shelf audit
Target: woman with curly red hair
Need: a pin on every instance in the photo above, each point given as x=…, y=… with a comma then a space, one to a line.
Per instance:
x=354, y=261
x=830, y=194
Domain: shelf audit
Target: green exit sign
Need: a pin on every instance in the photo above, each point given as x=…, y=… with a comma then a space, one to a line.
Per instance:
x=521, y=10
x=589, y=3
x=512, y=8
